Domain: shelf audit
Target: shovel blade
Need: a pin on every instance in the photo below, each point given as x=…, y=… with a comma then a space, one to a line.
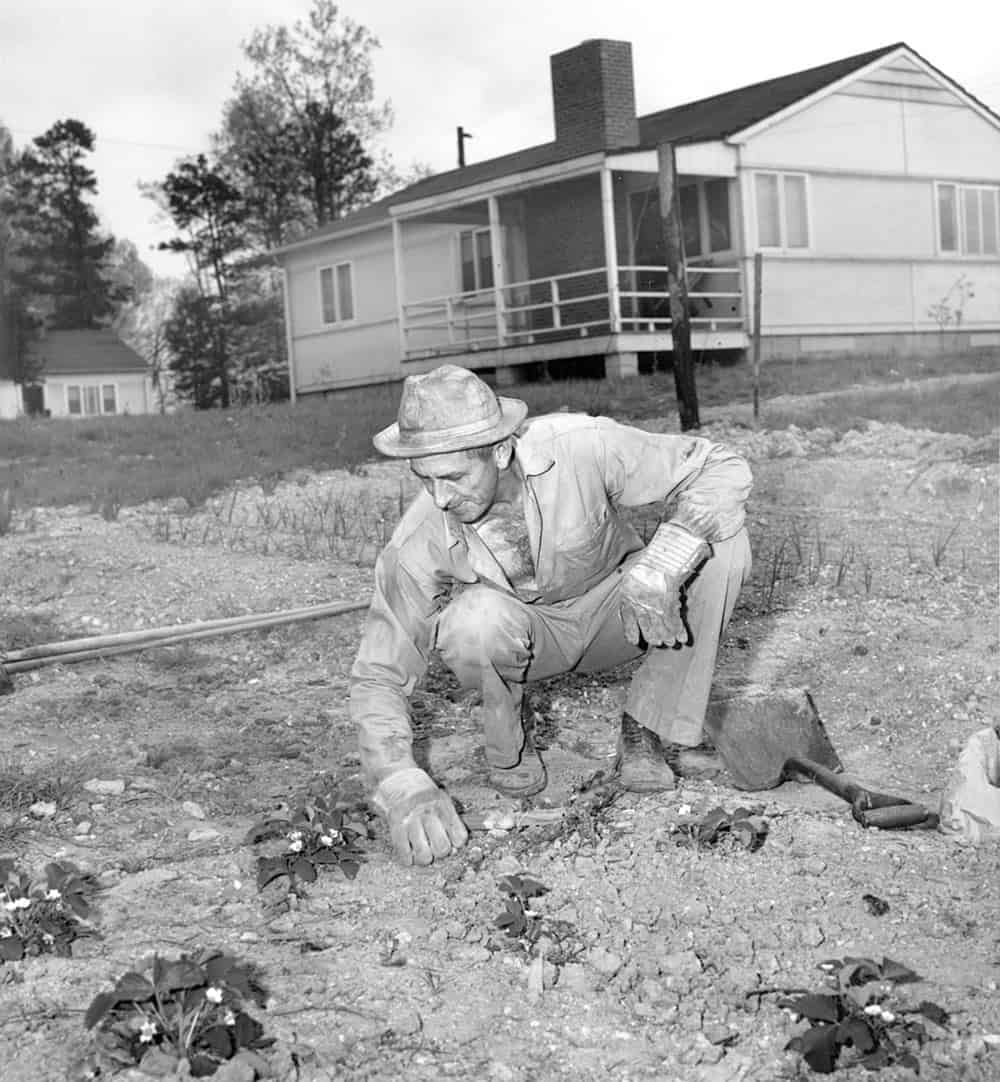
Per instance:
x=756, y=731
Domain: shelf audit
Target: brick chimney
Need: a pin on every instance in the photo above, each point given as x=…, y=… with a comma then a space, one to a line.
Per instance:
x=593, y=96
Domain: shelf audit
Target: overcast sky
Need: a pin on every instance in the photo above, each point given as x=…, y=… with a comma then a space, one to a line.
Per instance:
x=150, y=76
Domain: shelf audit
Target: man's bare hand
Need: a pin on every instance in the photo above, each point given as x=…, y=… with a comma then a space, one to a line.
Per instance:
x=423, y=823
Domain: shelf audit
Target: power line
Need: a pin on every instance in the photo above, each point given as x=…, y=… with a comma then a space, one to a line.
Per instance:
x=126, y=142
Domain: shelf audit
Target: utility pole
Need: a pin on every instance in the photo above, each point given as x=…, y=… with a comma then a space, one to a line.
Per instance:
x=462, y=135
x=680, y=318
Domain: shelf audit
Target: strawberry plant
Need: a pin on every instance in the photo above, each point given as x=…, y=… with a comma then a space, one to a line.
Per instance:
x=742, y=828
x=527, y=926
x=320, y=834
x=192, y=1008
x=43, y=916
x=860, y=1015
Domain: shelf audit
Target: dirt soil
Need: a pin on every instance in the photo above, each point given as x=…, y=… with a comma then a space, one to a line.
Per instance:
x=875, y=587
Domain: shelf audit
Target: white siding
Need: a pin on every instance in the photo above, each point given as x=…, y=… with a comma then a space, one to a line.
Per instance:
x=366, y=349
x=872, y=152
x=133, y=391
x=10, y=400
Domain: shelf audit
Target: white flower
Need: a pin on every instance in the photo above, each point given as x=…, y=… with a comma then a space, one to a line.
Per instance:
x=295, y=845
x=213, y=994
x=147, y=1031
x=5, y=932
x=873, y=1008
x=295, y=835
x=230, y=1019
x=683, y=809
x=21, y=903
x=53, y=895
x=888, y=1016
x=9, y=906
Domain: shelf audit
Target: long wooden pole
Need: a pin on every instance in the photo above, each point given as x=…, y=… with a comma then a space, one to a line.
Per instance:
x=680, y=318
x=758, y=275
x=98, y=646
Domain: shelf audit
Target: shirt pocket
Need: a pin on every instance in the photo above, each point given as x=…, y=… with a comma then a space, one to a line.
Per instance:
x=583, y=549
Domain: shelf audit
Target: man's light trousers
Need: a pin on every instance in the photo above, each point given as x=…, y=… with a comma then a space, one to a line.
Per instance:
x=496, y=643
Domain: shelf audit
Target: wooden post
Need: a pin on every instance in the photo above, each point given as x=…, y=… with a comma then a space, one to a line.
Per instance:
x=680, y=319
x=610, y=250
x=397, y=265
x=289, y=336
x=758, y=274
x=499, y=283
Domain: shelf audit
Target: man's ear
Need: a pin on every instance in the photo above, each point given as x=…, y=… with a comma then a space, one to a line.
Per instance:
x=503, y=452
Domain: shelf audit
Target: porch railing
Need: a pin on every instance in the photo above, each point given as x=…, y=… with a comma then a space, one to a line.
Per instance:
x=577, y=304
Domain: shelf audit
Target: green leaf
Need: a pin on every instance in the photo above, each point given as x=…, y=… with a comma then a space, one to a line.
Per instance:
x=857, y=1032
x=133, y=987
x=216, y=967
x=876, y=1060
x=325, y=856
x=510, y=884
x=818, y=1047
x=863, y=994
x=938, y=1015
x=269, y=869
x=183, y=974
x=896, y=971
x=908, y=1059
x=247, y=1030
x=532, y=888
x=269, y=828
x=816, y=1008
x=77, y=903
x=350, y=868
x=304, y=869
x=858, y=973
x=219, y=1041
x=201, y=1066
x=99, y=1007
x=11, y=949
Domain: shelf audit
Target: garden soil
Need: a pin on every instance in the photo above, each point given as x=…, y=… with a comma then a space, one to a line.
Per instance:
x=875, y=587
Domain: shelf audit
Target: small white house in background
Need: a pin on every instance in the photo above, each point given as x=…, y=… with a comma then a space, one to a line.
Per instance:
x=86, y=373
x=870, y=185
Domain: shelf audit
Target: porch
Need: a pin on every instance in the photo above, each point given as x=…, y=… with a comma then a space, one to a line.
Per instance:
x=567, y=264
x=576, y=314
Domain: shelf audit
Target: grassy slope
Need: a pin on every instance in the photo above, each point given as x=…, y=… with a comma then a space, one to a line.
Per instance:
x=134, y=459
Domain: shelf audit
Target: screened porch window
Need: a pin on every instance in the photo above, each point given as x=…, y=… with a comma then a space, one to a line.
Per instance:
x=968, y=219
x=717, y=204
x=476, y=253
x=690, y=221
x=336, y=286
x=782, y=210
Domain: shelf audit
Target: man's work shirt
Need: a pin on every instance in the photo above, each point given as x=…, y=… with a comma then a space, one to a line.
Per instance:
x=578, y=471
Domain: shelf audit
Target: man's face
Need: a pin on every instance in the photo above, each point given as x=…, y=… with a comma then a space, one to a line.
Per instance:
x=460, y=482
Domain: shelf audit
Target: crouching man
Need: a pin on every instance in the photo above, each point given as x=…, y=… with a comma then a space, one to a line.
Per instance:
x=516, y=565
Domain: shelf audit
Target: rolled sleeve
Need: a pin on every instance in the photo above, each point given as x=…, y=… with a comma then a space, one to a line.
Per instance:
x=391, y=659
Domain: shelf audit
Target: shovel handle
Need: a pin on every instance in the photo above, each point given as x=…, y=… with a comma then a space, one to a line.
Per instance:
x=897, y=817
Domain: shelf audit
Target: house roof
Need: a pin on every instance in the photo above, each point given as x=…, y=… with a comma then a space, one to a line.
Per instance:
x=87, y=353
x=717, y=117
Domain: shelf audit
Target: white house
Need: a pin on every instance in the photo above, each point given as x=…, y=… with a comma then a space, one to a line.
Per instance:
x=870, y=185
x=84, y=373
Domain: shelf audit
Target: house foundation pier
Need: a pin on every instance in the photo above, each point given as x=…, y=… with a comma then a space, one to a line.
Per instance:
x=621, y=365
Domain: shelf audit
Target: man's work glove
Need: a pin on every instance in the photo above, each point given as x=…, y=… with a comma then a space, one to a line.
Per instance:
x=423, y=823
x=651, y=591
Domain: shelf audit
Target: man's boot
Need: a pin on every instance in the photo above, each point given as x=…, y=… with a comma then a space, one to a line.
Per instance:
x=525, y=778
x=641, y=766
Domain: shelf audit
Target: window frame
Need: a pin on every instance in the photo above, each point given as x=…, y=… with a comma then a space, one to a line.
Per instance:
x=99, y=388
x=959, y=189
x=474, y=232
x=783, y=245
x=338, y=319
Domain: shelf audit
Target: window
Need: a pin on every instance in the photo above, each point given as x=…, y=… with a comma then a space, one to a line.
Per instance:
x=782, y=211
x=690, y=221
x=91, y=399
x=968, y=217
x=476, y=255
x=717, y=202
x=336, y=288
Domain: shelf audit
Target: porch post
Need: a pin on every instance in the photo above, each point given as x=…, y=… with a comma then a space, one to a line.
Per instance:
x=610, y=249
x=289, y=335
x=397, y=261
x=496, y=251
